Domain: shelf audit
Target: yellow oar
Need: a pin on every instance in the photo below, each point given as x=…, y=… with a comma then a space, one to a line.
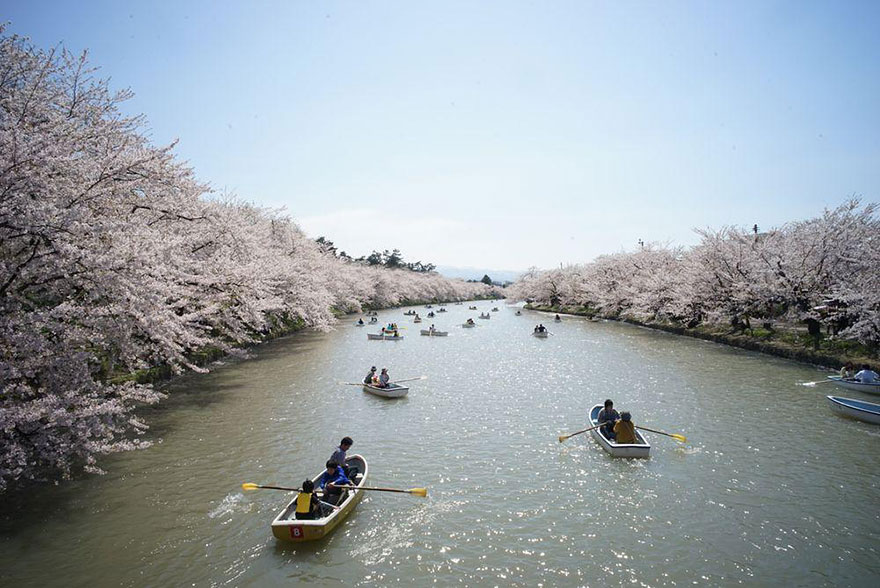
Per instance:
x=414, y=491
x=675, y=436
x=252, y=486
x=564, y=437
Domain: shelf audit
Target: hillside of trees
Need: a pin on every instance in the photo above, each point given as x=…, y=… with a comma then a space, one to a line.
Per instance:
x=115, y=258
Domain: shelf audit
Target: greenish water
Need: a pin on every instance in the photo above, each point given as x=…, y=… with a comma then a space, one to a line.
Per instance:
x=772, y=488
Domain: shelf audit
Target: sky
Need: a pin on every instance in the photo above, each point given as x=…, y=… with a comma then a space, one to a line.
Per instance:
x=500, y=134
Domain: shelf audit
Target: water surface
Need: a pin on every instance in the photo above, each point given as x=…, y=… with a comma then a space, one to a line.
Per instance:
x=772, y=488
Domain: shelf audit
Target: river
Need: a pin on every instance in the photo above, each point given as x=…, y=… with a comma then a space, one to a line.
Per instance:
x=771, y=488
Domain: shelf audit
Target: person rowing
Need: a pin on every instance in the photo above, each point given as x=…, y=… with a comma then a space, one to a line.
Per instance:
x=368, y=379
x=330, y=479
x=607, y=417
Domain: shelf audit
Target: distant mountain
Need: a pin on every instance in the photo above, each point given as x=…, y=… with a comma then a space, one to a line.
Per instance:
x=476, y=273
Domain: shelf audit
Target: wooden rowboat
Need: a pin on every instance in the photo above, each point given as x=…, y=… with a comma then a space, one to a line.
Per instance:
x=854, y=385
x=857, y=409
x=640, y=449
x=434, y=333
x=540, y=335
x=287, y=527
x=392, y=391
x=380, y=337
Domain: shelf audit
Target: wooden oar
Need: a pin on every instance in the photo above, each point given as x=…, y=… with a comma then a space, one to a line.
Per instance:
x=564, y=437
x=675, y=436
x=409, y=380
x=414, y=491
x=817, y=382
x=252, y=486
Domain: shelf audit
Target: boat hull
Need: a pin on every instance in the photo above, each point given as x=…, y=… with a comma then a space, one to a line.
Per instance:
x=641, y=449
x=430, y=333
x=856, y=409
x=392, y=391
x=286, y=527
x=858, y=386
x=540, y=335
x=468, y=325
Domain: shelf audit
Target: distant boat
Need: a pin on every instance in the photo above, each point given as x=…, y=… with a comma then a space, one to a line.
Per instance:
x=390, y=391
x=434, y=333
x=540, y=334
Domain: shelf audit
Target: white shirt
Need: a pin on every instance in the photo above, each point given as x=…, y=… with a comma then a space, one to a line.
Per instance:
x=867, y=376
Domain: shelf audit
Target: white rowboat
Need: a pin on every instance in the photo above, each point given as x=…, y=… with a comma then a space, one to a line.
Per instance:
x=380, y=337
x=857, y=409
x=468, y=325
x=431, y=333
x=854, y=385
x=392, y=391
x=540, y=335
x=640, y=449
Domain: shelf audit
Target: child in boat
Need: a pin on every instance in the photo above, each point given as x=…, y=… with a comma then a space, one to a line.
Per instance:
x=339, y=455
x=624, y=430
x=332, y=477
x=308, y=506
x=607, y=417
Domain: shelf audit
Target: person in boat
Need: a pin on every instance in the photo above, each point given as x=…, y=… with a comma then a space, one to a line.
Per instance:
x=542, y=328
x=360, y=321
x=607, y=417
x=848, y=371
x=557, y=318
x=308, y=507
x=374, y=320
x=470, y=321
x=384, y=378
x=368, y=379
x=536, y=328
x=339, y=455
x=624, y=429
x=866, y=375
x=333, y=477
x=432, y=329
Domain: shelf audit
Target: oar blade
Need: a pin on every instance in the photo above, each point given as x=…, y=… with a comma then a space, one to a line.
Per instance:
x=563, y=438
x=249, y=486
x=423, y=492
x=677, y=437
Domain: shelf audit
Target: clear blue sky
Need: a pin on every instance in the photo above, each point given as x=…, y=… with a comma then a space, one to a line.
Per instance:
x=501, y=134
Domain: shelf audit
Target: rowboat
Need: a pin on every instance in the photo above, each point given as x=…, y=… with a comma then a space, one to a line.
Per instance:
x=434, y=333
x=287, y=527
x=472, y=308
x=484, y=316
x=873, y=388
x=417, y=320
x=640, y=449
x=495, y=309
x=857, y=409
x=360, y=324
x=380, y=337
x=540, y=335
x=468, y=325
x=441, y=310
x=518, y=313
x=391, y=391
x=409, y=313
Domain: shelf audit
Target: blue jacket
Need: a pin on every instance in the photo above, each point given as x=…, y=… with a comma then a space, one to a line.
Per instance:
x=339, y=479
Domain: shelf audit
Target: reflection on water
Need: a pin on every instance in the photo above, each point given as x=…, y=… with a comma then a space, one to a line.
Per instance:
x=771, y=487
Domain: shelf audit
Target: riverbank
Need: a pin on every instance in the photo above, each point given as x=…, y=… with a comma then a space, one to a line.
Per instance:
x=781, y=343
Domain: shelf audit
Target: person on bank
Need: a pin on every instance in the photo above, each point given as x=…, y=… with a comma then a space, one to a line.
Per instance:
x=368, y=379
x=607, y=417
x=331, y=479
x=339, y=455
x=624, y=429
